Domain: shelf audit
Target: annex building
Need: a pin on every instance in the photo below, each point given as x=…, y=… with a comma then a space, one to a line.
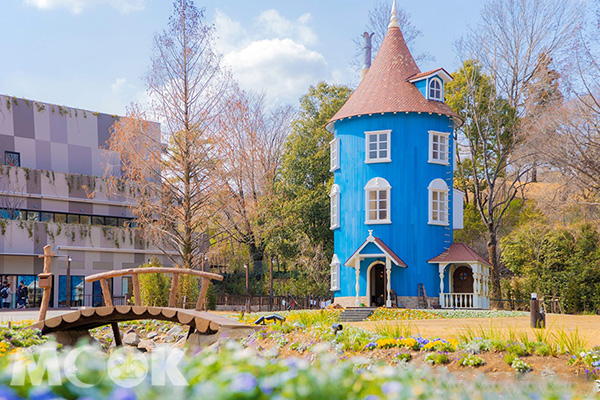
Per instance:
x=52, y=191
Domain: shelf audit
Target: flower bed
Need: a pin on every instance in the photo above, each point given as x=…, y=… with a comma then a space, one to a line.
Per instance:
x=394, y=314
x=237, y=373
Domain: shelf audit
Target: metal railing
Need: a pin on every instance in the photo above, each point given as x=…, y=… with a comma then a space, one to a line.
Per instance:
x=273, y=303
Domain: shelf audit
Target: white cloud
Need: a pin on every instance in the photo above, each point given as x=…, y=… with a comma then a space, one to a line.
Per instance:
x=273, y=54
x=282, y=67
x=78, y=6
x=119, y=86
x=270, y=22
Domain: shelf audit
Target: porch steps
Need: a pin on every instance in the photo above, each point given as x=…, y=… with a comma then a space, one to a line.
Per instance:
x=355, y=314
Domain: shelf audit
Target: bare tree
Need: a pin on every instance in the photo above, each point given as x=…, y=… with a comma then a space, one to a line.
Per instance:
x=513, y=33
x=170, y=176
x=496, y=164
x=249, y=147
x=379, y=19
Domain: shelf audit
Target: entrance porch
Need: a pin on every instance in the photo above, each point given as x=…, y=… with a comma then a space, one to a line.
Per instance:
x=379, y=271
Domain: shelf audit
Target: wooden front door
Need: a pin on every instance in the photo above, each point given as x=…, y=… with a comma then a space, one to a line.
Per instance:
x=463, y=280
x=378, y=285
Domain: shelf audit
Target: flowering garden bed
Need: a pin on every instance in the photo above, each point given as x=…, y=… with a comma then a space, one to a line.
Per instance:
x=304, y=358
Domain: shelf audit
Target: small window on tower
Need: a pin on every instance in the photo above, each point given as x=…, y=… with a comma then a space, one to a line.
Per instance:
x=335, y=207
x=378, y=202
x=438, y=202
x=435, y=90
x=334, y=152
x=12, y=158
x=438, y=147
x=378, y=146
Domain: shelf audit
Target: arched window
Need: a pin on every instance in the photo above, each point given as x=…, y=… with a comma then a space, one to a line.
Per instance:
x=438, y=202
x=435, y=89
x=378, y=201
x=335, y=207
x=335, y=273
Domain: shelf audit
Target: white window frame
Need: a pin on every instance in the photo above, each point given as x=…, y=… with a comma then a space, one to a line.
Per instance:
x=334, y=154
x=443, y=140
x=378, y=186
x=430, y=88
x=334, y=207
x=368, y=135
x=335, y=273
x=440, y=215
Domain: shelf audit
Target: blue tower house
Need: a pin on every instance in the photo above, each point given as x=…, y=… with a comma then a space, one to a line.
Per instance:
x=393, y=207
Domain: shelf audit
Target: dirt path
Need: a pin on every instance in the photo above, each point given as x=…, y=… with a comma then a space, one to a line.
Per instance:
x=588, y=326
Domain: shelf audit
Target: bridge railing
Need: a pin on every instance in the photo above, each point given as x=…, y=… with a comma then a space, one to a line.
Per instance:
x=135, y=272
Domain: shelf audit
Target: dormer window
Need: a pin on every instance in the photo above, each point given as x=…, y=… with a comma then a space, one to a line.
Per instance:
x=435, y=89
x=377, y=145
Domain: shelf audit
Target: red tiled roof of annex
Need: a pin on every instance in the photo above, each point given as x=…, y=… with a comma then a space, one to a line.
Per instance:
x=385, y=88
x=459, y=252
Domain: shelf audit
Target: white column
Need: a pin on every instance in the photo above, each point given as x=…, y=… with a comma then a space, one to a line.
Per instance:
x=357, y=271
x=441, y=268
x=388, y=270
x=476, y=284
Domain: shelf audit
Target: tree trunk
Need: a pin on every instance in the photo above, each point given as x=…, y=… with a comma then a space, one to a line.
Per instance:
x=534, y=172
x=493, y=259
x=257, y=256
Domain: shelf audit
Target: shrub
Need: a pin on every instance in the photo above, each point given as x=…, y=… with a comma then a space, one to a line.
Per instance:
x=470, y=360
x=188, y=290
x=543, y=349
x=497, y=345
x=477, y=346
x=517, y=349
x=437, y=358
x=403, y=357
x=509, y=358
x=154, y=288
x=520, y=366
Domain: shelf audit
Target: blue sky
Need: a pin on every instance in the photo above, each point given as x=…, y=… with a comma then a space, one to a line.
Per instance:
x=93, y=54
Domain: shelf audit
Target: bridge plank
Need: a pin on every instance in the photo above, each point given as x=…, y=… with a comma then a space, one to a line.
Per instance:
x=88, y=312
x=53, y=322
x=72, y=316
x=104, y=311
x=185, y=317
x=139, y=310
x=154, y=310
x=169, y=312
x=123, y=309
x=201, y=324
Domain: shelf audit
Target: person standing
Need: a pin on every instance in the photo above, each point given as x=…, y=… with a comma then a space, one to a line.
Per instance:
x=6, y=294
x=22, y=294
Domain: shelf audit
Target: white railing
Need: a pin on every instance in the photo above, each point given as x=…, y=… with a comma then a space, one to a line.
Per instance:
x=458, y=300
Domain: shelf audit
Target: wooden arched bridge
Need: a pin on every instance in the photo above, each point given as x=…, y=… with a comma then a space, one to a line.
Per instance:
x=71, y=326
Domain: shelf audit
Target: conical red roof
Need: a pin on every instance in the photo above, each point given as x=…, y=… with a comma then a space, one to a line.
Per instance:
x=385, y=88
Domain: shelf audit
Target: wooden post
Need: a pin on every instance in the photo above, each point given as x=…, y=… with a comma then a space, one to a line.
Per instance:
x=46, y=282
x=173, y=293
x=106, y=293
x=136, y=290
x=202, y=294
x=117, y=334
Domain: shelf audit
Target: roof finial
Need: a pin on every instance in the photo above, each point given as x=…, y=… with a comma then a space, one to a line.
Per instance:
x=394, y=21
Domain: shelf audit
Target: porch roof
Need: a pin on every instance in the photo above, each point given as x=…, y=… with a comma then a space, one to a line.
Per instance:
x=458, y=252
x=382, y=246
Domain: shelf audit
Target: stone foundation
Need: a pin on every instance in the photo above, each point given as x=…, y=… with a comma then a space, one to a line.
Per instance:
x=405, y=301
